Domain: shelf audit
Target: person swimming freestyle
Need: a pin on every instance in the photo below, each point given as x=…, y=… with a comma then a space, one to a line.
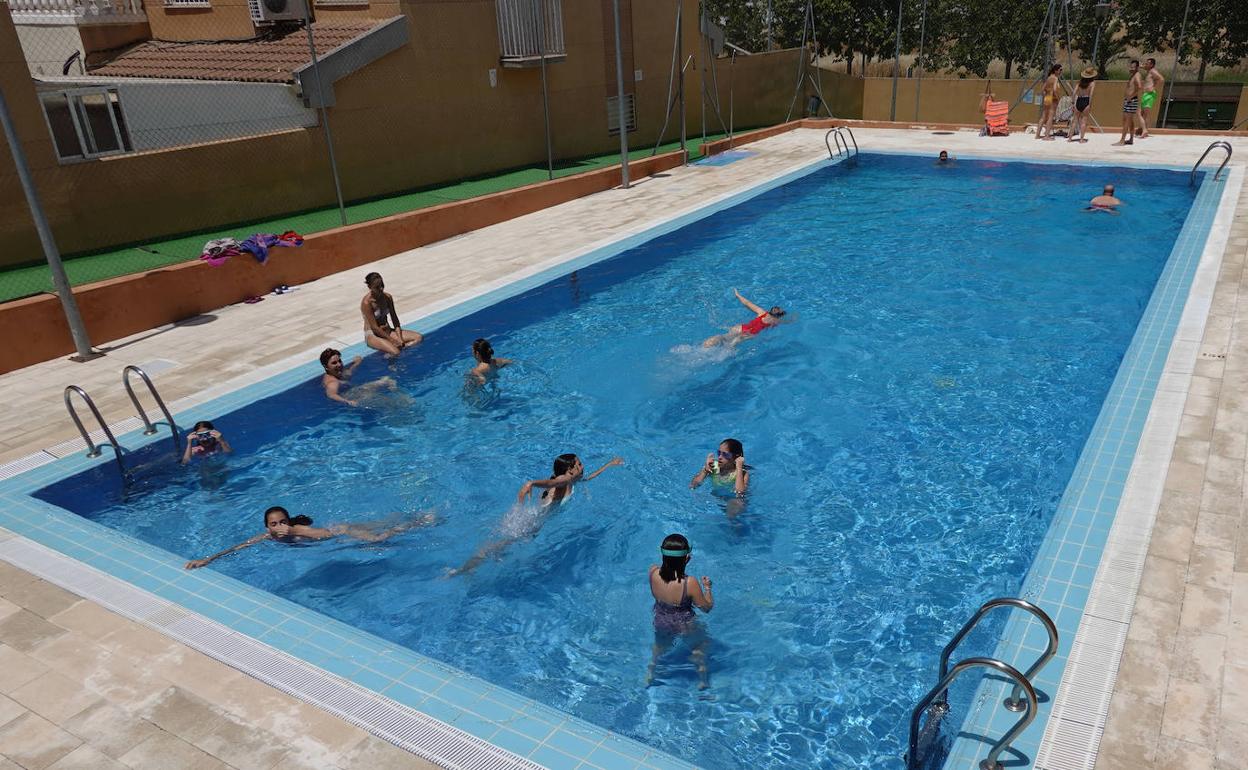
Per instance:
x=281, y=527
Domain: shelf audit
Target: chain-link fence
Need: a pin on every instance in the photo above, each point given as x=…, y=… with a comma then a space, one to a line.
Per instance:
x=155, y=126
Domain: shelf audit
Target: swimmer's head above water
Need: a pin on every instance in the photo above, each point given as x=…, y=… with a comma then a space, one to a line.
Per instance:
x=776, y=312
x=676, y=553
x=331, y=360
x=943, y=157
x=482, y=350
x=729, y=450
x=568, y=464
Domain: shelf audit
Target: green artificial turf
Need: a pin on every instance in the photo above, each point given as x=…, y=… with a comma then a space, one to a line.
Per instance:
x=87, y=268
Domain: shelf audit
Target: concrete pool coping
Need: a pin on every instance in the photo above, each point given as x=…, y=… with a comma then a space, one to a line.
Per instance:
x=346, y=338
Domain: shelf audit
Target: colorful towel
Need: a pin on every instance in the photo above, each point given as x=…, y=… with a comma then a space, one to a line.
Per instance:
x=259, y=244
x=217, y=251
x=997, y=118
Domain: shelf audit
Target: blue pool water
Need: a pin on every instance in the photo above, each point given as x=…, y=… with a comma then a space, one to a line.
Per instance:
x=955, y=332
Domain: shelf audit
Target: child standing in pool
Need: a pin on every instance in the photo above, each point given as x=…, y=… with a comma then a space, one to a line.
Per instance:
x=204, y=440
x=487, y=365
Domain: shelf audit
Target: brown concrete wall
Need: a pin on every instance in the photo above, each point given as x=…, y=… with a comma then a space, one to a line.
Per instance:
x=957, y=101
x=122, y=306
x=224, y=20
x=422, y=115
x=105, y=37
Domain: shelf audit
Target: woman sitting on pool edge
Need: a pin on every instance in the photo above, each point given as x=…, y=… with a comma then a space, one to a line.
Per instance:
x=675, y=595
x=487, y=365
x=337, y=378
x=279, y=526
x=204, y=440
x=763, y=319
x=382, y=330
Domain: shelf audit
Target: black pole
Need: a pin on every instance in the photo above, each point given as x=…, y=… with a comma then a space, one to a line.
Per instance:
x=892, y=112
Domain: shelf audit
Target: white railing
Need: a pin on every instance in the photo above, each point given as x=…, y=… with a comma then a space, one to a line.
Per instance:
x=520, y=35
x=76, y=11
x=187, y=4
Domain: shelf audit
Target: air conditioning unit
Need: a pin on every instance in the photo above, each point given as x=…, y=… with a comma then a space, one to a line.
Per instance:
x=267, y=11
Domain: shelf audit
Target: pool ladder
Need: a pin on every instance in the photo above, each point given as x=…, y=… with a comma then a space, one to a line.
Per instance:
x=149, y=428
x=1022, y=698
x=838, y=135
x=1218, y=145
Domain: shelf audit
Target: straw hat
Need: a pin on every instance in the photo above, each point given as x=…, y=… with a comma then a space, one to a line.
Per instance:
x=1089, y=72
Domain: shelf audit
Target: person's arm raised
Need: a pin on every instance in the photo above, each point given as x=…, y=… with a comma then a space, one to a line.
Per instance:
x=612, y=461
x=754, y=308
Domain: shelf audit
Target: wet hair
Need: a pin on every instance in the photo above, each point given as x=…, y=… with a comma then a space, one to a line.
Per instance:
x=1151, y=61
x=1055, y=69
x=944, y=154
x=483, y=350
x=202, y=425
x=327, y=354
x=368, y=279
x=776, y=311
x=1109, y=190
x=673, y=567
x=292, y=520
x=734, y=446
x=563, y=464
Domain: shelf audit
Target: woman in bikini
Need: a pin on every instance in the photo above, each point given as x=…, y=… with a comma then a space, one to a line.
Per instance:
x=280, y=527
x=382, y=330
x=763, y=319
x=1052, y=89
x=675, y=595
x=1083, y=105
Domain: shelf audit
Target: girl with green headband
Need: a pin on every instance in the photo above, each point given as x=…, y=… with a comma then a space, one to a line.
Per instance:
x=675, y=596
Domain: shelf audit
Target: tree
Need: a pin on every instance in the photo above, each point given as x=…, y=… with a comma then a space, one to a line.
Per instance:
x=1217, y=30
x=1114, y=37
x=973, y=33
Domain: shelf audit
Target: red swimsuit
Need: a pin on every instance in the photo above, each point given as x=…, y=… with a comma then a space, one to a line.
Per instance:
x=755, y=326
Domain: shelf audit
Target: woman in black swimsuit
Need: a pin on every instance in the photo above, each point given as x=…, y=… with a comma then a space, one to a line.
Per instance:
x=1083, y=105
x=675, y=596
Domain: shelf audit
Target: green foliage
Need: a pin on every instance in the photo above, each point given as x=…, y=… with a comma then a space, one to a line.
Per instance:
x=967, y=35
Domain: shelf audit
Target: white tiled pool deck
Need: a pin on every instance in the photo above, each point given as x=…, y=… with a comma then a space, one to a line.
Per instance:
x=76, y=692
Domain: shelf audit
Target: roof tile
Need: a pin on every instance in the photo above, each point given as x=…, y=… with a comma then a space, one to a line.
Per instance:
x=271, y=58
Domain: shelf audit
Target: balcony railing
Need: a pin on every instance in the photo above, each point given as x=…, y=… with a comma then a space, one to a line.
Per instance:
x=529, y=29
x=76, y=11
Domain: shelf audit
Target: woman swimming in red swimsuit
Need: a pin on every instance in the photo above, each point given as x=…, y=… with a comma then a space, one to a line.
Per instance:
x=762, y=320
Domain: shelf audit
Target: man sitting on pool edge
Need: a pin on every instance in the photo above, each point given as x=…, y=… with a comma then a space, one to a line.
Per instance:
x=1105, y=201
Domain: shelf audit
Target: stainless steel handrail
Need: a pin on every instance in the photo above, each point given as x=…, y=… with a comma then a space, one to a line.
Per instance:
x=836, y=134
x=1212, y=146
x=990, y=762
x=92, y=449
x=148, y=427
x=1014, y=702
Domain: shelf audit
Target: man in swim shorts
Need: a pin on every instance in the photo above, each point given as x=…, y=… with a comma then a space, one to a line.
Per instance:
x=1105, y=201
x=1153, y=85
x=1130, y=106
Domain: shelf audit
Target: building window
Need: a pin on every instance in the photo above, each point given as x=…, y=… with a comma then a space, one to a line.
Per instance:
x=613, y=114
x=86, y=122
x=527, y=29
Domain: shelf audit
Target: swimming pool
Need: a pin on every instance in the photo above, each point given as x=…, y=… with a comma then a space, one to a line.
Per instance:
x=935, y=389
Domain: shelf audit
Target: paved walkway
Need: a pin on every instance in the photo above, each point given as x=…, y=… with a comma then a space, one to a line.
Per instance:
x=84, y=688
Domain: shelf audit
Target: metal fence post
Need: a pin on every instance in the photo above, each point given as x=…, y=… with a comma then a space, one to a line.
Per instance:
x=320, y=98
x=82, y=343
x=619, y=96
